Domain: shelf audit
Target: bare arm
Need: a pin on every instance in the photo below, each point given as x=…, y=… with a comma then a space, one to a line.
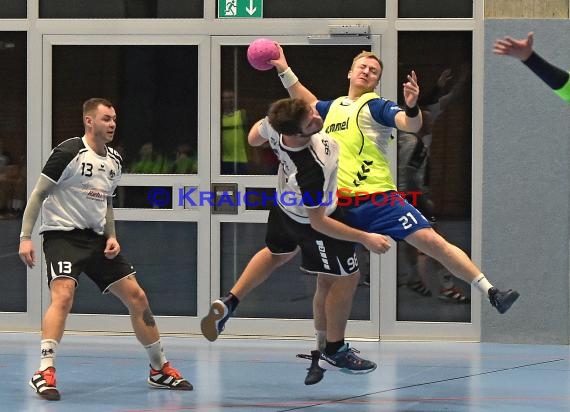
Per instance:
x=333, y=228
x=254, y=138
x=295, y=89
x=410, y=120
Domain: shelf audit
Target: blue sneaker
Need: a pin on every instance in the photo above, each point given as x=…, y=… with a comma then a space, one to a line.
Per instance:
x=346, y=360
x=502, y=301
x=213, y=323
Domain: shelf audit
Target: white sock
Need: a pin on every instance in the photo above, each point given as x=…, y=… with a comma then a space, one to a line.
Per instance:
x=321, y=336
x=156, y=355
x=481, y=283
x=48, y=347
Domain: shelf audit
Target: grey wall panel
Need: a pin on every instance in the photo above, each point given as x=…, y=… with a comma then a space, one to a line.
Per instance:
x=526, y=189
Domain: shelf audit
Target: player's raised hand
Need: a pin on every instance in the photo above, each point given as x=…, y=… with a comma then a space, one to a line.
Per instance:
x=411, y=90
x=518, y=48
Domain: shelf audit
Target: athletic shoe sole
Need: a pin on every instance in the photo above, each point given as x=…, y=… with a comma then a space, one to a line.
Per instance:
x=208, y=325
x=48, y=394
x=507, y=303
x=180, y=387
x=324, y=364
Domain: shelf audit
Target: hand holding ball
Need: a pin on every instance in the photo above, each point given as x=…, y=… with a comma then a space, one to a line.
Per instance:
x=260, y=51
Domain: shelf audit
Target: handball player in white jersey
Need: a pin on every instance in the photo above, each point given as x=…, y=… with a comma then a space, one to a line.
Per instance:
x=305, y=219
x=74, y=193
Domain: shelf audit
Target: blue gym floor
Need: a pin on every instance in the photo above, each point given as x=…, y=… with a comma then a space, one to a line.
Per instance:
x=108, y=373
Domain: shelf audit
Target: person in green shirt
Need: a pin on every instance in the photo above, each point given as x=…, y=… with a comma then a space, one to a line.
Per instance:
x=234, y=136
x=150, y=162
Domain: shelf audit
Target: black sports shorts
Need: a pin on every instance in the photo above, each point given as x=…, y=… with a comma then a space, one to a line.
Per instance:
x=69, y=254
x=320, y=253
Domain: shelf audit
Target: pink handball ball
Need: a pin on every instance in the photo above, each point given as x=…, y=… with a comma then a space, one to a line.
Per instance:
x=260, y=51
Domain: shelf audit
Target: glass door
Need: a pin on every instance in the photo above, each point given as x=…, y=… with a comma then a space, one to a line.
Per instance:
x=20, y=291
x=155, y=86
x=282, y=305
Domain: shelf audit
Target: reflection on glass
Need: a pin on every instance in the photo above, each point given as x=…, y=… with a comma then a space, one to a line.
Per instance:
x=234, y=135
x=155, y=92
x=260, y=198
x=164, y=255
x=288, y=292
x=13, y=9
x=143, y=197
x=149, y=161
x=435, y=9
x=120, y=9
x=14, y=282
x=436, y=162
x=12, y=169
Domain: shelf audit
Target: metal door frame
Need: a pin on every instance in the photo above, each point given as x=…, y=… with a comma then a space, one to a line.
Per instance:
x=121, y=323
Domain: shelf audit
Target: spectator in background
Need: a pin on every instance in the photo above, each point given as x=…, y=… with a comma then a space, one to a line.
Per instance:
x=150, y=162
x=234, y=136
x=185, y=161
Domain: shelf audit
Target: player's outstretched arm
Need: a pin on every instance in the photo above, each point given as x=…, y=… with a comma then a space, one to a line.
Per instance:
x=556, y=78
x=290, y=81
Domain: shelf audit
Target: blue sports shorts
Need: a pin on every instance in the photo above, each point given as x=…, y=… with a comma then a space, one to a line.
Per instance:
x=386, y=213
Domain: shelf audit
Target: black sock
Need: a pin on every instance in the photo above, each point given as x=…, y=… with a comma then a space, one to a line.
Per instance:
x=231, y=301
x=333, y=347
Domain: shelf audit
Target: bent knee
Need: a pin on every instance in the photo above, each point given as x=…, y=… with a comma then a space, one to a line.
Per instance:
x=62, y=292
x=136, y=300
x=427, y=240
x=139, y=298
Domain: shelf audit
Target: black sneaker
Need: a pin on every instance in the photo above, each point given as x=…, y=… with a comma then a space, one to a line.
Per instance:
x=315, y=373
x=347, y=361
x=213, y=323
x=502, y=301
x=43, y=383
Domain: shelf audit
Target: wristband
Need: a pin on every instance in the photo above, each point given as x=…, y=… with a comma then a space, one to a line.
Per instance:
x=412, y=111
x=288, y=78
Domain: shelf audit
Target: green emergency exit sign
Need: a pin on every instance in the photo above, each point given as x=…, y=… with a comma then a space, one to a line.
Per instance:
x=240, y=9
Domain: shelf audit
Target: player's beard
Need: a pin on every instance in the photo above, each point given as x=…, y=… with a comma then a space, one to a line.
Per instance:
x=104, y=137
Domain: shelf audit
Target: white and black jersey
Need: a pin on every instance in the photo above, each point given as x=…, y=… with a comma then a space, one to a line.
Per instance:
x=84, y=180
x=307, y=176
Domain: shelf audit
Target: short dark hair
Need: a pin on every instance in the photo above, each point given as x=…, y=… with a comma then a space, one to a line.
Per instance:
x=285, y=115
x=92, y=104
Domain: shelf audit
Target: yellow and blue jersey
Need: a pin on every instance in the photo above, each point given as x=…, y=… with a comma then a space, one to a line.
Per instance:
x=363, y=129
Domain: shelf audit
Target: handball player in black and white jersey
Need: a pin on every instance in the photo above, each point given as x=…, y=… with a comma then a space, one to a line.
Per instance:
x=74, y=193
x=308, y=167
